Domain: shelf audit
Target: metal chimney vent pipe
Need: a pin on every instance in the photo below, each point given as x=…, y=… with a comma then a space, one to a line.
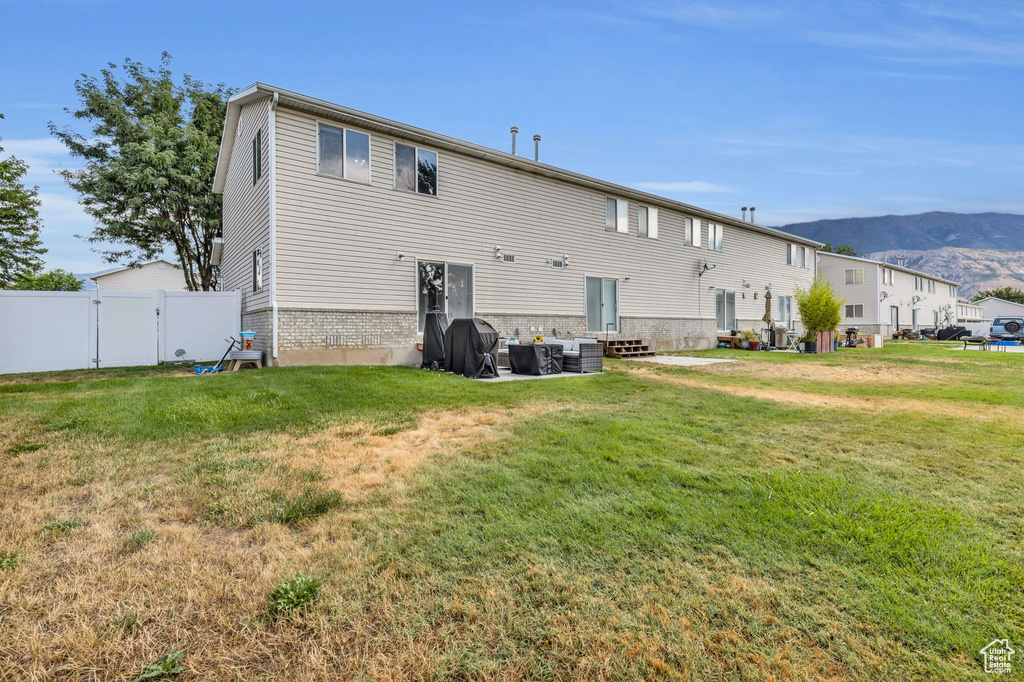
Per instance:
x=536, y=147
x=752, y=209
x=744, y=209
x=513, y=130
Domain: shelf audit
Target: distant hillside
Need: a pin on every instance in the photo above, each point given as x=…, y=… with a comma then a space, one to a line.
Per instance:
x=976, y=269
x=922, y=232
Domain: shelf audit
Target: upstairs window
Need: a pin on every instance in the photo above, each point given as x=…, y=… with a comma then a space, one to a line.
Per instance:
x=689, y=236
x=855, y=276
x=791, y=255
x=806, y=256
x=919, y=284
x=952, y=290
x=415, y=170
x=647, y=221
x=616, y=215
x=886, y=276
x=257, y=157
x=932, y=286
x=715, y=236
x=344, y=154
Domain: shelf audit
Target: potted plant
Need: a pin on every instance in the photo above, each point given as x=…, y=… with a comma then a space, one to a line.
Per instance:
x=749, y=339
x=820, y=310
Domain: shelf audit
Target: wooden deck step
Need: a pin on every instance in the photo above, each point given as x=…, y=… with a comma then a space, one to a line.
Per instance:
x=627, y=348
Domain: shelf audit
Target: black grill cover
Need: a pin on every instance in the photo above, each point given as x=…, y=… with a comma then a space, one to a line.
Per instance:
x=470, y=346
x=951, y=333
x=433, y=339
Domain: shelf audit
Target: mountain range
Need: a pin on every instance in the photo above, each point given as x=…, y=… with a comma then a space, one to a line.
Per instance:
x=980, y=250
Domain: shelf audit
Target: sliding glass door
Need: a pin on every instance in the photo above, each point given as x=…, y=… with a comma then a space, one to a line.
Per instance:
x=447, y=287
x=725, y=309
x=602, y=304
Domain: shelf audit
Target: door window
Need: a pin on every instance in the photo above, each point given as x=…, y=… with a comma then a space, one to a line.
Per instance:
x=602, y=304
x=725, y=309
x=447, y=287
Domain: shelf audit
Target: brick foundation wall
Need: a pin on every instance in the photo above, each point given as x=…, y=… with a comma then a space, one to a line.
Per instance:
x=349, y=337
x=261, y=323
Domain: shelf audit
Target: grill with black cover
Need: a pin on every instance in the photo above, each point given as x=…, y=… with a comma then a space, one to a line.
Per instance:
x=470, y=348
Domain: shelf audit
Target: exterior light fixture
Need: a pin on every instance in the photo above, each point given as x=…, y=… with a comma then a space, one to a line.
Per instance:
x=497, y=253
x=399, y=256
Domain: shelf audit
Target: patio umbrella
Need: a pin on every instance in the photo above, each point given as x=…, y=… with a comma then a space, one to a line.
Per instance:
x=768, y=317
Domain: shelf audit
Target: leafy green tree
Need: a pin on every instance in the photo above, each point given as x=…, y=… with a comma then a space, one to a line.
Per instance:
x=20, y=247
x=1005, y=293
x=820, y=307
x=150, y=157
x=842, y=249
x=54, y=280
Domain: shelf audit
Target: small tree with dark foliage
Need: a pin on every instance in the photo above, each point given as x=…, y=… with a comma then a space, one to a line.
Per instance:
x=1005, y=293
x=20, y=247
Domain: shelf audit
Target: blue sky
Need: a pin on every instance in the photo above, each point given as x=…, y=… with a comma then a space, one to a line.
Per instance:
x=806, y=110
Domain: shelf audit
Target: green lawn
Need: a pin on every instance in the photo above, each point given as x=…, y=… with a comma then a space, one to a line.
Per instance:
x=856, y=515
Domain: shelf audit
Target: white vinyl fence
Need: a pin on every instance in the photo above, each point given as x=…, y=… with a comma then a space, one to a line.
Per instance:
x=50, y=330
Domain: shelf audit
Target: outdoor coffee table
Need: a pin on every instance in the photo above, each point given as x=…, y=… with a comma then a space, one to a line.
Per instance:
x=536, y=360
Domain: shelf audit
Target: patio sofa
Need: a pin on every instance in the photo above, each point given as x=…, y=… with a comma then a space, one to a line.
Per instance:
x=578, y=355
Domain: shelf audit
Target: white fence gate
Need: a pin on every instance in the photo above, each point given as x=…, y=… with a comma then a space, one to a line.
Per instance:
x=50, y=330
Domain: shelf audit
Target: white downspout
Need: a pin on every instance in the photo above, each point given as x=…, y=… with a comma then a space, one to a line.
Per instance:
x=273, y=224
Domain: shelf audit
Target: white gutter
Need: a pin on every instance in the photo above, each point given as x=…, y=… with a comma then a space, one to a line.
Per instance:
x=271, y=191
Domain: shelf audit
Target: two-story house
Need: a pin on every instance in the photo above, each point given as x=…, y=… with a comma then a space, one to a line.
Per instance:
x=882, y=298
x=342, y=229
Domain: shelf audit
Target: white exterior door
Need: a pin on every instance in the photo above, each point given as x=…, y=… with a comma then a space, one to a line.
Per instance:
x=127, y=329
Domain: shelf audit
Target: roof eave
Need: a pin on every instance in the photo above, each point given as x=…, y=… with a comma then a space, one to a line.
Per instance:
x=327, y=109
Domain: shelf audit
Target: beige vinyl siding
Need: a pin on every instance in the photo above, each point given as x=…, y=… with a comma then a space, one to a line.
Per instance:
x=247, y=210
x=149, y=277
x=901, y=292
x=337, y=240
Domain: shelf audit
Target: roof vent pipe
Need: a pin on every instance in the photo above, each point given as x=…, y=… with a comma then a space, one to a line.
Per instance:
x=752, y=209
x=744, y=209
x=536, y=147
x=513, y=130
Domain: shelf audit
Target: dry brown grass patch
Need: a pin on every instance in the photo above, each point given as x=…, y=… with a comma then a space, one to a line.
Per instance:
x=354, y=459
x=848, y=374
x=697, y=379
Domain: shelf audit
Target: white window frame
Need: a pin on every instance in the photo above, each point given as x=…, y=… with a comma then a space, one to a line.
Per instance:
x=621, y=215
x=806, y=255
x=344, y=153
x=791, y=254
x=257, y=270
x=618, y=304
x=852, y=311
x=716, y=237
x=850, y=275
x=690, y=235
x=257, y=156
x=650, y=231
x=416, y=284
x=786, y=318
x=734, y=320
x=416, y=163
